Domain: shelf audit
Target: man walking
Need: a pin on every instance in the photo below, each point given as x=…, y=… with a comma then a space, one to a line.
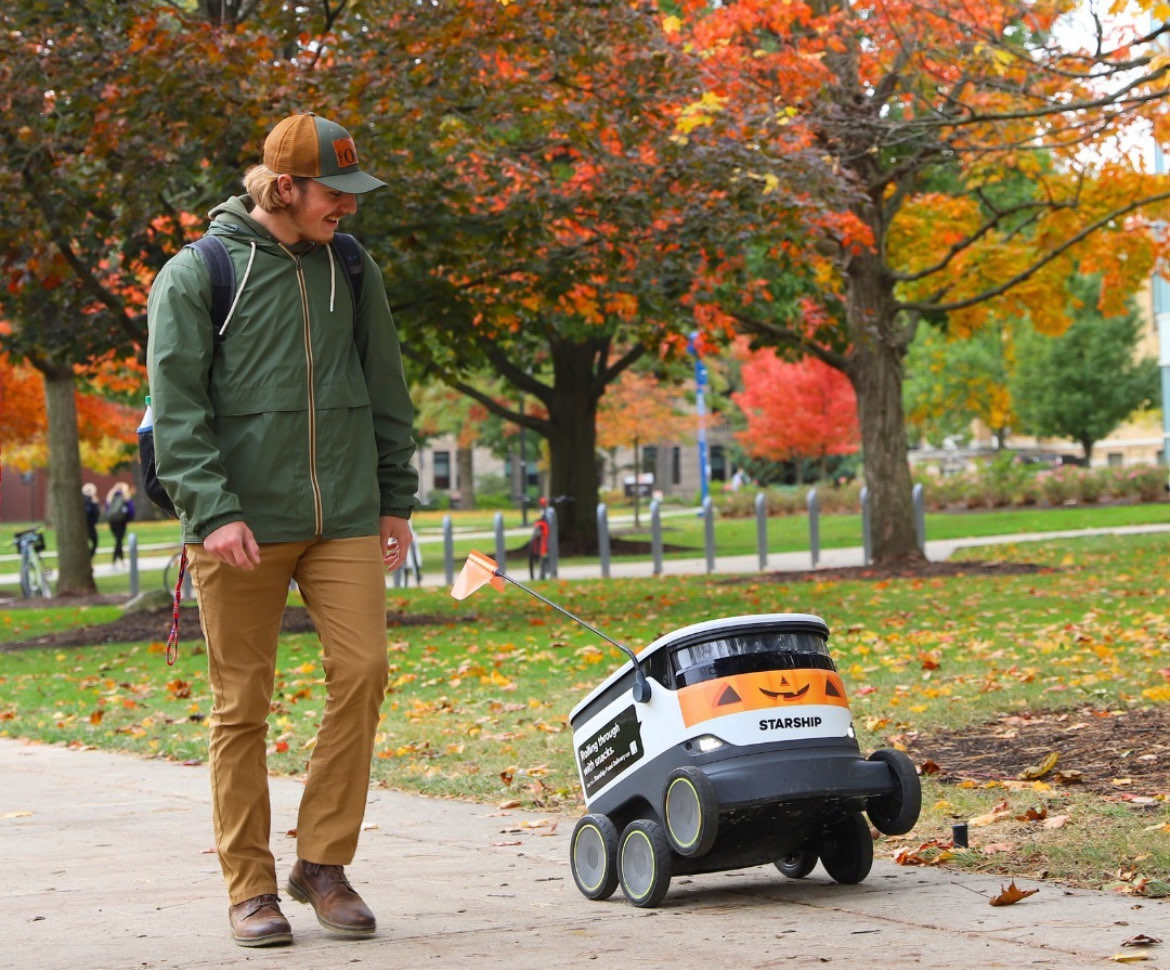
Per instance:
x=283, y=437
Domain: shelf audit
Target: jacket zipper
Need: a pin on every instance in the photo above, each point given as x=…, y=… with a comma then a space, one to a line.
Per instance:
x=318, y=511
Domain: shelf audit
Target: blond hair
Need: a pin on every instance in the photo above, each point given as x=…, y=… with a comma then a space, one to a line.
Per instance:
x=260, y=184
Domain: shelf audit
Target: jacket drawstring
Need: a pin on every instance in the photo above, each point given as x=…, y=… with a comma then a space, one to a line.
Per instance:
x=240, y=291
x=332, y=277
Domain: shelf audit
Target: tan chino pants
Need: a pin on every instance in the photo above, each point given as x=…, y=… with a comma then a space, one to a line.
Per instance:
x=342, y=582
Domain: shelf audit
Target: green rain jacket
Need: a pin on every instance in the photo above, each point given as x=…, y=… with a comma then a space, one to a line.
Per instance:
x=297, y=419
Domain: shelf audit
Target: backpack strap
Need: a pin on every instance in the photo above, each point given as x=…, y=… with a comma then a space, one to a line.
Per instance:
x=349, y=252
x=223, y=278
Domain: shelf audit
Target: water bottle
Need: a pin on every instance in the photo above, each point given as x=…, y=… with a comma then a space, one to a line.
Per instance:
x=150, y=482
x=147, y=422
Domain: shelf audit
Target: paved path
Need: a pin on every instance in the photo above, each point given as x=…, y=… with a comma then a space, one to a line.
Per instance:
x=107, y=866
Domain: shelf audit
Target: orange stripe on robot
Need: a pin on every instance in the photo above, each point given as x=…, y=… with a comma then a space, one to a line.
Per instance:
x=765, y=690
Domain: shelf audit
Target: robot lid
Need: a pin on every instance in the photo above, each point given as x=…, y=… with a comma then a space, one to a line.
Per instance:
x=711, y=629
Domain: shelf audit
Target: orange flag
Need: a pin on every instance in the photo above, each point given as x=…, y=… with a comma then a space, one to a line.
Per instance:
x=476, y=572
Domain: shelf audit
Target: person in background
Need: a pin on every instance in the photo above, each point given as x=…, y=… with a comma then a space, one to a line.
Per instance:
x=119, y=514
x=93, y=513
x=285, y=444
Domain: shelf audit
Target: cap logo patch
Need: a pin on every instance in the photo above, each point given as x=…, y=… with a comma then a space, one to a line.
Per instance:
x=345, y=152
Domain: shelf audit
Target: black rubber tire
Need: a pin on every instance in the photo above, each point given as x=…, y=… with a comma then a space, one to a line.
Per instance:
x=897, y=812
x=645, y=863
x=690, y=811
x=593, y=856
x=798, y=864
x=847, y=850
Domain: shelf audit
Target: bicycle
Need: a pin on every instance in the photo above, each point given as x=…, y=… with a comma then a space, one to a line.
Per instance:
x=34, y=575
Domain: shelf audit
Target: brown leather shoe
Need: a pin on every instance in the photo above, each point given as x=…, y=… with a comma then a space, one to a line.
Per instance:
x=337, y=906
x=259, y=922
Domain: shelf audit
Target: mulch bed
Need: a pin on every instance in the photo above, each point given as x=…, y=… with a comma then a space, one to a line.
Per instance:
x=1120, y=754
x=155, y=626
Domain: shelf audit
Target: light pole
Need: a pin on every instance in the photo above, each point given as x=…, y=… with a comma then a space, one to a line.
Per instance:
x=701, y=413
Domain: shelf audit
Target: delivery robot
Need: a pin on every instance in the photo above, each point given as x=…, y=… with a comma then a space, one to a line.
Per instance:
x=722, y=745
x=728, y=744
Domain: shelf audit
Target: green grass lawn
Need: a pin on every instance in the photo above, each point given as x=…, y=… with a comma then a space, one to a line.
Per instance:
x=479, y=699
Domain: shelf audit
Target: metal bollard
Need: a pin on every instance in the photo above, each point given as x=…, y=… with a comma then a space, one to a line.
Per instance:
x=448, y=550
x=554, y=548
x=814, y=526
x=656, y=535
x=709, y=532
x=501, y=544
x=762, y=529
x=132, y=556
x=603, y=550
x=865, y=541
x=919, y=496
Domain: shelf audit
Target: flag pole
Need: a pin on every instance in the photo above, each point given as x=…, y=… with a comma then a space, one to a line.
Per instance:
x=641, y=685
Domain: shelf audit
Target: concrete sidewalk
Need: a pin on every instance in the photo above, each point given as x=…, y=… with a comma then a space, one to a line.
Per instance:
x=108, y=866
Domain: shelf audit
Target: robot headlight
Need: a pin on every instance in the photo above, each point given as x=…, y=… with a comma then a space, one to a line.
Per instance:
x=708, y=742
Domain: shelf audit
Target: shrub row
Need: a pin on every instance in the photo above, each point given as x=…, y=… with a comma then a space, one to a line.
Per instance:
x=998, y=483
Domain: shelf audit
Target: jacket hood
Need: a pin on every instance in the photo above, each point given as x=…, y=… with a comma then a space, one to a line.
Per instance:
x=233, y=218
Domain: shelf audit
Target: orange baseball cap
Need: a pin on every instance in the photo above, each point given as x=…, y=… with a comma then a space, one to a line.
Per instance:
x=310, y=146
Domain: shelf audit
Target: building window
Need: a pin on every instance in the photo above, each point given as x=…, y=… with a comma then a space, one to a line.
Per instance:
x=1116, y=459
x=650, y=459
x=442, y=466
x=718, y=464
x=676, y=465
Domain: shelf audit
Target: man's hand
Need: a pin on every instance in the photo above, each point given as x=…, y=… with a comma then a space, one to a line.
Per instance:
x=396, y=539
x=235, y=545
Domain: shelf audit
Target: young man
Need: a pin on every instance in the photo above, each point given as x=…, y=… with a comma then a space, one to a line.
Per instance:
x=285, y=444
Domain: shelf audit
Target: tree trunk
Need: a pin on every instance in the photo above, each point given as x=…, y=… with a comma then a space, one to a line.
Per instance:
x=875, y=370
x=66, y=510
x=465, y=476
x=572, y=443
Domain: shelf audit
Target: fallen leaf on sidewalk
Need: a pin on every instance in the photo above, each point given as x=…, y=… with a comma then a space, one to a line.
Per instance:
x=1013, y=894
x=18, y=814
x=1142, y=940
x=1128, y=957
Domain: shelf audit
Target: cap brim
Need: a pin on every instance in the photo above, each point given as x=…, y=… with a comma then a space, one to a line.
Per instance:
x=355, y=182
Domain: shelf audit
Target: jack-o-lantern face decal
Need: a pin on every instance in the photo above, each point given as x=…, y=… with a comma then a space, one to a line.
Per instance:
x=764, y=690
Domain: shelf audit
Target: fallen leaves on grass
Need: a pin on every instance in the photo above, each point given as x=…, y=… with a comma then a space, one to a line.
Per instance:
x=1001, y=811
x=932, y=853
x=1033, y=772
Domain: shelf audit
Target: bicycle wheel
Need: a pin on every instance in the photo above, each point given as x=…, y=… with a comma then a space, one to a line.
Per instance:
x=26, y=577
x=43, y=580
x=34, y=579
